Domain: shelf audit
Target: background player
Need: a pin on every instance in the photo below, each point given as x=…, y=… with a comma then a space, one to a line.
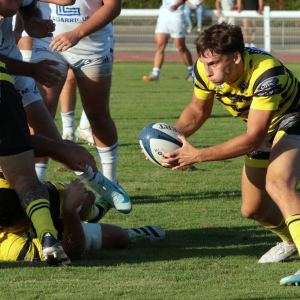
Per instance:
x=255, y=87
x=73, y=43
x=170, y=23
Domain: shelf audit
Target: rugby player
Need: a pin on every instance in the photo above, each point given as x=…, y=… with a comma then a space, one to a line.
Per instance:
x=81, y=43
x=170, y=23
x=69, y=205
x=257, y=88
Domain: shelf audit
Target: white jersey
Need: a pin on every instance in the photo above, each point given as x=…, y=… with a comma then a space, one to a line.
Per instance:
x=168, y=3
x=68, y=18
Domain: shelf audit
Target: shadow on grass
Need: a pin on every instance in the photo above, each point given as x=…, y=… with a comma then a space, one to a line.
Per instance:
x=184, y=197
x=213, y=243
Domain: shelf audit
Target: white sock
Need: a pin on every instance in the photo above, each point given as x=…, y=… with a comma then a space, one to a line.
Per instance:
x=108, y=157
x=190, y=70
x=41, y=171
x=84, y=122
x=156, y=72
x=68, y=121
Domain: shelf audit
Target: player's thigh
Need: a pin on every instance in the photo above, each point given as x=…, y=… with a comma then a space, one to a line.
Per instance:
x=40, y=120
x=256, y=200
x=161, y=40
x=284, y=166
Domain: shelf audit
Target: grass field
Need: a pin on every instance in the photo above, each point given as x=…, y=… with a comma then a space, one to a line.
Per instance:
x=210, y=250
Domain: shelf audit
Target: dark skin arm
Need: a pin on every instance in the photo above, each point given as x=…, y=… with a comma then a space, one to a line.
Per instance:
x=73, y=236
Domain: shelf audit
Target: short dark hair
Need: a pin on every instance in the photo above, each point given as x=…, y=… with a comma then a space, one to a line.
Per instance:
x=11, y=210
x=222, y=39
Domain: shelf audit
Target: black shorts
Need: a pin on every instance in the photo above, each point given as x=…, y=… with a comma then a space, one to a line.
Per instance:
x=289, y=125
x=14, y=132
x=250, y=4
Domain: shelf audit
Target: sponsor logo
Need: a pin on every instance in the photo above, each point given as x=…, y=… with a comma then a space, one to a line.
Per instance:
x=268, y=93
x=67, y=11
x=69, y=20
x=268, y=84
x=243, y=86
x=221, y=86
x=163, y=126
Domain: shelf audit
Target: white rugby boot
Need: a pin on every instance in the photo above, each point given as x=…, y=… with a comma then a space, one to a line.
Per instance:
x=85, y=134
x=278, y=253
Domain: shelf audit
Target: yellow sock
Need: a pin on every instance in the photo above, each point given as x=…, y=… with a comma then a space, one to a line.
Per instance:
x=92, y=214
x=293, y=223
x=39, y=213
x=281, y=230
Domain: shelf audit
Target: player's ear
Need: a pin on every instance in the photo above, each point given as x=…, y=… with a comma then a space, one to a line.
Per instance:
x=237, y=58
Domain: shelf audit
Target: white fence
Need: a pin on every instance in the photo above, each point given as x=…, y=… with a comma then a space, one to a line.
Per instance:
x=276, y=31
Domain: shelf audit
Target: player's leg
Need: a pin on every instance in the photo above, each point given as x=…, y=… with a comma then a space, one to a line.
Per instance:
x=161, y=40
x=186, y=56
x=246, y=32
x=67, y=103
x=17, y=162
x=259, y=206
x=253, y=33
x=282, y=179
x=98, y=113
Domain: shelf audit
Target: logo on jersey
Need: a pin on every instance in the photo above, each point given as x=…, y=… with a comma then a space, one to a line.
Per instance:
x=243, y=86
x=67, y=11
x=268, y=84
x=221, y=86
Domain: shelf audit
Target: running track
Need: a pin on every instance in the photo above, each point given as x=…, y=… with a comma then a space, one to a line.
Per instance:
x=177, y=57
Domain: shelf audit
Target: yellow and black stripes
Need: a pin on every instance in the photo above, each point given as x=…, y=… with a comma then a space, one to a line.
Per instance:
x=281, y=230
x=293, y=223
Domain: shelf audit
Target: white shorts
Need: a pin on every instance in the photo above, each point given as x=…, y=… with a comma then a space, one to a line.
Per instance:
x=172, y=23
x=98, y=67
x=24, y=85
x=93, y=236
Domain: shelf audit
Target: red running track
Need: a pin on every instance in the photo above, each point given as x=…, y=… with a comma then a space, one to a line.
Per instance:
x=177, y=57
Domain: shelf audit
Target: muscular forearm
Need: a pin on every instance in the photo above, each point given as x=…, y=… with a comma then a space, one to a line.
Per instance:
x=44, y=146
x=103, y=16
x=33, y=13
x=238, y=146
x=17, y=67
x=73, y=236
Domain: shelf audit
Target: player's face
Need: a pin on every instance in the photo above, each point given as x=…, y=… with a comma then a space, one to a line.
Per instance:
x=220, y=68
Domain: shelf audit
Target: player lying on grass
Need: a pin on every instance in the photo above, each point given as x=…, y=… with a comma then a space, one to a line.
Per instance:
x=257, y=88
x=69, y=206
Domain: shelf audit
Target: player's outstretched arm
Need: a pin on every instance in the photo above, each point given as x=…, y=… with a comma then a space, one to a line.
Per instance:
x=73, y=236
x=42, y=71
x=257, y=128
x=103, y=16
x=67, y=153
x=194, y=115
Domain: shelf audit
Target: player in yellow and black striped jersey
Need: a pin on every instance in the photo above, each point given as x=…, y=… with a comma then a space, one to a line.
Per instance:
x=257, y=88
x=69, y=204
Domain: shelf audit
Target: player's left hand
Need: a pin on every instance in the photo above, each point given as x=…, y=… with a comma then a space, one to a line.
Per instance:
x=186, y=155
x=173, y=8
x=75, y=195
x=64, y=41
x=38, y=28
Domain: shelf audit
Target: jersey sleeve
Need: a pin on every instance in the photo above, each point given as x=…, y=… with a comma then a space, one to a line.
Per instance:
x=202, y=87
x=268, y=87
x=27, y=5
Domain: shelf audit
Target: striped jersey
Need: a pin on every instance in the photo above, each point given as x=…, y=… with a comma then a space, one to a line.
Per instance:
x=266, y=84
x=24, y=246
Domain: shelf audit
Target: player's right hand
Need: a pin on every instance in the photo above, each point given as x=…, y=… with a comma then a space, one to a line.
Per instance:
x=146, y=156
x=43, y=73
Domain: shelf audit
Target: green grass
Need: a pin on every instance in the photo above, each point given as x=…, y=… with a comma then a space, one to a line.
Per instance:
x=210, y=250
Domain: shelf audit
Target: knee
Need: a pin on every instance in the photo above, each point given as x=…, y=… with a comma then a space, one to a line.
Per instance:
x=181, y=48
x=252, y=214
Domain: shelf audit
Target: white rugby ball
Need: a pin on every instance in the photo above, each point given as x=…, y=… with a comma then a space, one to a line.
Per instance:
x=158, y=138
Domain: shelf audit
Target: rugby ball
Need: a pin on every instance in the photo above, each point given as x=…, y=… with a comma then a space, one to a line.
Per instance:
x=158, y=138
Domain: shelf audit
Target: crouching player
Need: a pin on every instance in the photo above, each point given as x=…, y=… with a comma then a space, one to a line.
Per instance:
x=69, y=206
